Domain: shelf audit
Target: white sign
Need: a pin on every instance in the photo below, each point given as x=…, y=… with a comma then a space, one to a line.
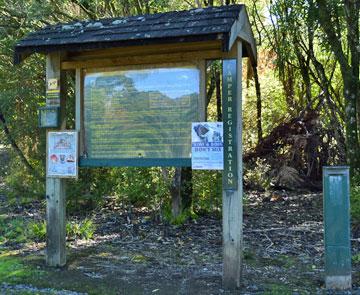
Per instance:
x=62, y=157
x=207, y=146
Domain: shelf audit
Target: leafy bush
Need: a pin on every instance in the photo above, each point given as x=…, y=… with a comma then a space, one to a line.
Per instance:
x=37, y=231
x=258, y=176
x=13, y=230
x=140, y=186
x=207, y=191
x=84, y=229
x=21, y=185
x=89, y=190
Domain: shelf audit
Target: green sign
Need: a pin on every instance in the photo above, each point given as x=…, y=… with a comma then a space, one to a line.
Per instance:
x=230, y=114
x=140, y=114
x=49, y=117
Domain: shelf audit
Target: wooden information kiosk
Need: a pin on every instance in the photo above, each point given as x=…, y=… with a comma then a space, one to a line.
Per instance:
x=140, y=83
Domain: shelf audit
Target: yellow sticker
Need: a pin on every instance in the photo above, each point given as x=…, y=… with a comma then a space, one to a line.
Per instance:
x=52, y=84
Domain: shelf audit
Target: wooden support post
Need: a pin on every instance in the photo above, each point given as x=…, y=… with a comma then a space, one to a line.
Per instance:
x=55, y=187
x=232, y=174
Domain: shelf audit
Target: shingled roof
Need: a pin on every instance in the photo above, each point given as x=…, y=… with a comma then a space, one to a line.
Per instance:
x=213, y=23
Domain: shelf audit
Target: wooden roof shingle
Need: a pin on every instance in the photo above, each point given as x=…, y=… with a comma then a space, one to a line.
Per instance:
x=212, y=23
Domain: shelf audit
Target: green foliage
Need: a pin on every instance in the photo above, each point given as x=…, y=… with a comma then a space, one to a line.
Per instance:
x=12, y=270
x=258, y=175
x=18, y=230
x=274, y=106
x=207, y=191
x=140, y=186
x=23, y=186
x=185, y=215
x=355, y=199
x=88, y=191
x=12, y=229
x=37, y=231
x=356, y=258
x=83, y=229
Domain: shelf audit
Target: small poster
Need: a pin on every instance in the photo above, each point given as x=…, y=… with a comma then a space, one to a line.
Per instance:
x=62, y=154
x=207, y=146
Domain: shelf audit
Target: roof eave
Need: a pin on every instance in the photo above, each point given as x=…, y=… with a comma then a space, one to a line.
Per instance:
x=22, y=52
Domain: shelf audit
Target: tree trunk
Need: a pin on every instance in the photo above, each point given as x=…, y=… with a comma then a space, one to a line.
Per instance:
x=175, y=193
x=181, y=191
x=349, y=66
x=218, y=95
x=186, y=188
x=258, y=104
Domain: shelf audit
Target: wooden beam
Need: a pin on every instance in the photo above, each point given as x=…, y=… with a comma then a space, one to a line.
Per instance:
x=145, y=59
x=55, y=187
x=145, y=50
x=202, y=94
x=232, y=192
x=79, y=108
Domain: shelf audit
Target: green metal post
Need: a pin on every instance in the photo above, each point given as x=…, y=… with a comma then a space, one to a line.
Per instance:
x=336, y=189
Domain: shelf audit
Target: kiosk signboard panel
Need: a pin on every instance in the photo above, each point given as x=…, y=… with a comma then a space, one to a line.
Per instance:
x=140, y=113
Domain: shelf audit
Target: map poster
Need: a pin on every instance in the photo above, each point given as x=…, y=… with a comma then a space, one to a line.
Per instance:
x=62, y=160
x=207, y=146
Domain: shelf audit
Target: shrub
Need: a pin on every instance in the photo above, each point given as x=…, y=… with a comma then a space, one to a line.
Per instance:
x=258, y=176
x=207, y=191
x=84, y=229
x=12, y=230
x=37, y=231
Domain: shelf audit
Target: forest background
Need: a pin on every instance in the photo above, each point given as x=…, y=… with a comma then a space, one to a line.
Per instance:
x=304, y=95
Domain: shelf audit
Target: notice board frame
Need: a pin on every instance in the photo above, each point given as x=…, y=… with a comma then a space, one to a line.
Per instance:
x=85, y=161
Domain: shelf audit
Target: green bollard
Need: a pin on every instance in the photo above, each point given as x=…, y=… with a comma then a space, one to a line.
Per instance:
x=336, y=190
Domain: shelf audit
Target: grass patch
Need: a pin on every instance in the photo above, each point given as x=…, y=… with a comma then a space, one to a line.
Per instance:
x=276, y=289
x=13, y=270
x=12, y=229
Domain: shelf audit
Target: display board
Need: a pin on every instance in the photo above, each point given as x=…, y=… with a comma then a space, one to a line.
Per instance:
x=62, y=159
x=207, y=146
x=140, y=113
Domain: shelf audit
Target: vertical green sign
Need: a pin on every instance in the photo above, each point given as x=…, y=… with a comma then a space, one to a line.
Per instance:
x=337, y=221
x=230, y=115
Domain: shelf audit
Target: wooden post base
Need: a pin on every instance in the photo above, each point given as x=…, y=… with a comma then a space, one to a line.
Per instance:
x=338, y=282
x=55, y=222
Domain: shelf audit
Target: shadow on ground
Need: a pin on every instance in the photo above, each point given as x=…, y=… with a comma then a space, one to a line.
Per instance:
x=283, y=254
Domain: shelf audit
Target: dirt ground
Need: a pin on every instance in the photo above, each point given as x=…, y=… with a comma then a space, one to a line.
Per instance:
x=135, y=254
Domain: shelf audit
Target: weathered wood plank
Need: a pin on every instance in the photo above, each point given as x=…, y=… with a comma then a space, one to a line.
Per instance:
x=145, y=50
x=232, y=201
x=202, y=100
x=79, y=108
x=55, y=187
x=145, y=59
x=55, y=222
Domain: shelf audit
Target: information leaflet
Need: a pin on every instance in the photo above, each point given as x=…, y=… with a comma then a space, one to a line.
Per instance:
x=207, y=146
x=62, y=154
